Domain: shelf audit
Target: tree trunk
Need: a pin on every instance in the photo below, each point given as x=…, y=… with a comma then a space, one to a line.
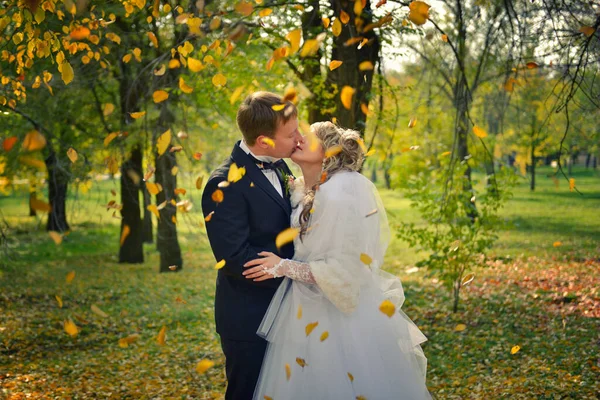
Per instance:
x=587, y=160
x=58, y=179
x=147, y=223
x=132, y=249
x=32, y=196
x=166, y=236
x=532, y=183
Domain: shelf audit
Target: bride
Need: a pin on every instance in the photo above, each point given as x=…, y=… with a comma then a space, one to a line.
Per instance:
x=334, y=327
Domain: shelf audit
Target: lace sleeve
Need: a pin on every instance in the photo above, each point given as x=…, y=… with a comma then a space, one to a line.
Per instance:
x=295, y=270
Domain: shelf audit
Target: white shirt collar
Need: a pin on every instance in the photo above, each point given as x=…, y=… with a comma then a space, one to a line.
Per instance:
x=247, y=150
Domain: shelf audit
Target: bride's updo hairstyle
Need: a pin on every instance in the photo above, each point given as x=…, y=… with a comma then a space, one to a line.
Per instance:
x=346, y=155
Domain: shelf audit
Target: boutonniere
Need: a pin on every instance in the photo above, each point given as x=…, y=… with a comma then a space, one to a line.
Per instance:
x=288, y=181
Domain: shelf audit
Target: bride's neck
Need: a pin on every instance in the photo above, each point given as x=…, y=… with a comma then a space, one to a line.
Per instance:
x=312, y=174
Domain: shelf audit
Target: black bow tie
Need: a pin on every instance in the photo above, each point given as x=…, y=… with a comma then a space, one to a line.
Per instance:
x=267, y=165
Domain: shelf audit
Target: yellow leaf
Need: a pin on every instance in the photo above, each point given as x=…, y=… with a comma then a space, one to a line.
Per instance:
x=215, y=23
x=236, y=94
x=294, y=37
x=9, y=143
x=265, y=12
x=479, y=132
x=351, y=377
x=161, y=339
x=163, y=142
x=72, y=154
x=154, y=210
x=109, y=138
x=324, y=336
x=571, y=184
x=310, y=48
x=153, y=188
x=153, y=39
x=235, y=173
x=299, y=313
x=126, y=341
x=557, y=244
x=532, y=65
x=388, y=308
x=412, y=122
x=184, y=87
x=364, y=108
x=587, y=30
x=445, y=38
x=509, y=85
x=70, y=276
x=80, y=33
x=515, y=349
x=96, y=310
x=344, y=17
x=34, y=141
x=126, y=58
x=288, y=371
x=245, y=8
x=59, y=301
x=66, y=72
x=278, y=107
x=332, y=151
x=286, y=236
x=358, y=7
x=194, y=65
x=56, y=236
x=326, y=22
x=446, y=153
x=39, y=205
x=419, y=12
x=108, y=109
x=301, y=362
x=366, y=259
x=334, y=64
x=160, y=71
x=124, y=234
x=365, y=66
x=346, y=96
x=467, y=279
x=204, y=365
x=310, y=327
x=136, y=115
x=269, y=142
x=71, y=328
x=160, y=96
x=220, y=264
x=460, y=327
x=217, y=196
x=219, y=80
x=113, y=37
x=199, y=182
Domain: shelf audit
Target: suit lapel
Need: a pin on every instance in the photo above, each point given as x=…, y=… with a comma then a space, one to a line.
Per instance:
x=258, y=177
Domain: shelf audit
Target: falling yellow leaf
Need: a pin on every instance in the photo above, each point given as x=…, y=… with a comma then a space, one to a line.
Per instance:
x=34, y=141
x=286, y=236
x=126, y=341
x=288, y=371
x=160, y=71
x=265, y=12
x=220, y=264
x=388, y=308
x=219, y=80
x=159, y=96
x=366, y=259
x=199, y=182
x=66, y=72
x=59, y=301
x=351, y=377
x=161, y=339
x=126, y=58
x=310, y=327
x=72, y=154
x=333, y=150
x=109, y=138
x=245, y=8
x=96, y=310
x=124, y=234
x=326, y=22
x=310, y=48
x=204, y=365
x=324, y=336
x=460, y=327
x=80, y=33
x=446, y=153
x=509, y=85
x=294, y=37
x=479, y=132
x=154, y=210
x=269, y=142
x=153, y=39
x=532, y=65
x=299, y=313
x=301, y=362
x=336, y=28
x=346, y=96
x=70, y=276
x=515, y=349
x=364, y=108
x=9, y=143
x=412, y=122
x=163, y=142
x=571, y=184
x=218, y=196
x=278, y=107
x=153, y=188
x=108, y=109
x=136, y=115
x=419, y=12
x=235, y=173
x=557, y=244
x=195, y=65
x=184, y=87
x=587, y=30
x=56, y=237
x=467, y=279
x=366, y=66
x=71, y=328
x=236, y=94
x=265, y=397
x=344, y=17
x=445, y=38
x=335, y=64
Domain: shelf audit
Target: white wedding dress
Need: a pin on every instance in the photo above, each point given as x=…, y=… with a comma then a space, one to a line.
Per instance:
x=328, y=339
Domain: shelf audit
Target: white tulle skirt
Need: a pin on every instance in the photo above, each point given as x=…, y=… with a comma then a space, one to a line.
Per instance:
x=345, y=356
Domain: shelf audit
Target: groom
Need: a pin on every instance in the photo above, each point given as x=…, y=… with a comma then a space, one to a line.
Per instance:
x=252, y=212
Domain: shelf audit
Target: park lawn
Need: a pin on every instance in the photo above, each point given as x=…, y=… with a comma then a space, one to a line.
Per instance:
x=532, y=294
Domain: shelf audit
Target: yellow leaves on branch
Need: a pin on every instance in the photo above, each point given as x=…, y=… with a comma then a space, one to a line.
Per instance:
x=66, y=72
x=286, y=236
x=419, y=12
x=346, y=96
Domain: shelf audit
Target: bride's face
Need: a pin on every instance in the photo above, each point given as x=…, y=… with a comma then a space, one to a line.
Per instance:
x=308, y=153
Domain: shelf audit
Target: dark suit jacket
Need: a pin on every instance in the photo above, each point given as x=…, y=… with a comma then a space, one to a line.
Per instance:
x=245, y=223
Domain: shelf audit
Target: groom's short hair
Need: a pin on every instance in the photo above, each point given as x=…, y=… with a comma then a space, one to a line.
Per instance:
x=256, y=116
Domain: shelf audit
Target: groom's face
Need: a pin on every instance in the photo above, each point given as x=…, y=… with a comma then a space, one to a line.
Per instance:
x=286, y=139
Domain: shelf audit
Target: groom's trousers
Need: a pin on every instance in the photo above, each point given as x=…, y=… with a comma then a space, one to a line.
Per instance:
x=243, y=361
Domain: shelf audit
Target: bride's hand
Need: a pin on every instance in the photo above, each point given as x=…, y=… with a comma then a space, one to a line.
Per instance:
x=258, y=268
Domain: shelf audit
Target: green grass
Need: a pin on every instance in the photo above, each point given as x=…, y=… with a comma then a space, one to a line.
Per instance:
x=543, y=298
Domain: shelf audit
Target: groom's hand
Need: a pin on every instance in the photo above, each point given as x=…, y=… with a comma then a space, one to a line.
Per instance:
x=258, y=268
